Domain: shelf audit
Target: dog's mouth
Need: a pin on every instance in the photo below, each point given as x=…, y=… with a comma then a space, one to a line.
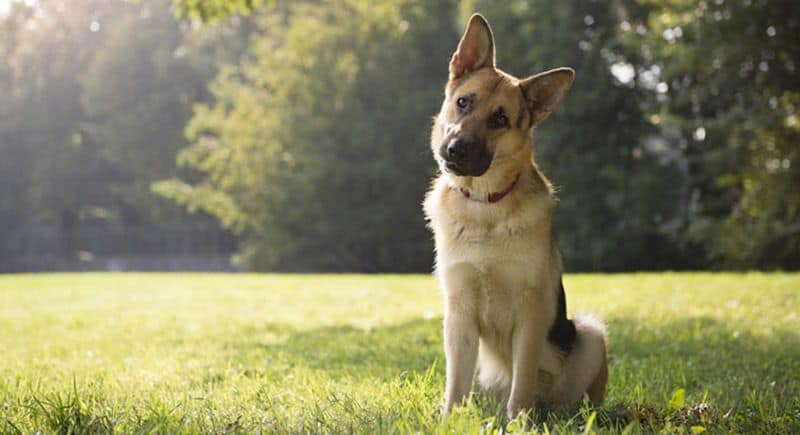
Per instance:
x=453, y=168
x=468, y=169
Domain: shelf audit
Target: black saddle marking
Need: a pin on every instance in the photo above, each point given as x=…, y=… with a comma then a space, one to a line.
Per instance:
x=562, y=333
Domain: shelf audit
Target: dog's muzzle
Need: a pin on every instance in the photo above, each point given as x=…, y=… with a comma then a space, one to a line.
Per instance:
x=464, y=158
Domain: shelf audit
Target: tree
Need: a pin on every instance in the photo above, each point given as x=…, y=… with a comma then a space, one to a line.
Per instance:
x=316, y=147
x=729, y=87
x=138, y=91
x=676, y=147
x=213, y=10
x=45, y=53
x=95, y=98
x=16, y=160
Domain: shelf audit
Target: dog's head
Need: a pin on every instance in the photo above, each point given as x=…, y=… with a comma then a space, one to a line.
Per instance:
x=487, y=114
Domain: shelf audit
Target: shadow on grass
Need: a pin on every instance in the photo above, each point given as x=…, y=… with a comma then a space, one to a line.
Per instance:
x=347, y=351
x=731, y=376
x=705, y=351
x=703, y=346
x=727, y=372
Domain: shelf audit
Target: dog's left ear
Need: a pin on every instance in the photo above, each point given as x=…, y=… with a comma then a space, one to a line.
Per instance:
x=545, y=90
x=476, y=49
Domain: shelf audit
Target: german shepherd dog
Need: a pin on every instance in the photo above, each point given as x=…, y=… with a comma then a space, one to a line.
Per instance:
x=499, y=269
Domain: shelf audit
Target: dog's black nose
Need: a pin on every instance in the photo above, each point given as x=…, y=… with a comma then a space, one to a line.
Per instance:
x=457, y=149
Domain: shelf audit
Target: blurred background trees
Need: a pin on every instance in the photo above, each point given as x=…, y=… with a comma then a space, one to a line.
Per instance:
x=93, y=98
x=729, y=87
x=295, y=133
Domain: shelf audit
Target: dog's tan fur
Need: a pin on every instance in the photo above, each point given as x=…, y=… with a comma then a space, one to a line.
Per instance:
x=497, y=264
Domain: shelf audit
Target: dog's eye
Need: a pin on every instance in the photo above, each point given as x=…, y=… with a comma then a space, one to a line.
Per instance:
x=498, y=119
x=462, y=102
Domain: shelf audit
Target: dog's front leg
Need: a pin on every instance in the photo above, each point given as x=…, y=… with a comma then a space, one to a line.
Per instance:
x=527, y=343
x=461, y=352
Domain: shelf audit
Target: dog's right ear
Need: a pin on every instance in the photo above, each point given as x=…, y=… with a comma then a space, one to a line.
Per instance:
x=476, y=49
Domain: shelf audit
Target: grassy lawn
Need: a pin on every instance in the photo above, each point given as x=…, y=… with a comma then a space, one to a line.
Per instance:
x=321, y=353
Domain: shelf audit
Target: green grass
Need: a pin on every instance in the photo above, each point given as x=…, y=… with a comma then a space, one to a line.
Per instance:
x=319, y=353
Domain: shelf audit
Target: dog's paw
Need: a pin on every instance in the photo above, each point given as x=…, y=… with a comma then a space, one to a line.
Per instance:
x=515, y=410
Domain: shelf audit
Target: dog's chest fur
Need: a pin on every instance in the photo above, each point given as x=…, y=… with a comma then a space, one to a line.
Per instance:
x=492, y=258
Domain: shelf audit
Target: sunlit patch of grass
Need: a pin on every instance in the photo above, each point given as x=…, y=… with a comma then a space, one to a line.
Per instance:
x=94, y=353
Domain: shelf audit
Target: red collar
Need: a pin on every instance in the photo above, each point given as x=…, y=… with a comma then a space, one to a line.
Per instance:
x=494, y=196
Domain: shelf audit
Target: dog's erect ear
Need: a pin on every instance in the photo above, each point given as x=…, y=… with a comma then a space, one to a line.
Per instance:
x=545, y=90
x=476, y=49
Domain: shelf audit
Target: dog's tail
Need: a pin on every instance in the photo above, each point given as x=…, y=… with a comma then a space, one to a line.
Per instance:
x=585, y=368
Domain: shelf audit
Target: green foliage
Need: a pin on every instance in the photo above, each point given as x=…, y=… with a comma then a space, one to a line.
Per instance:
x=213, y=10
x=42, y=142
x=309, y=139
x=94, y=99
x=729, y=72
x=207, y=353
x=134, y=110
x=665, y=156
x=284, y=169
x=676, y=148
